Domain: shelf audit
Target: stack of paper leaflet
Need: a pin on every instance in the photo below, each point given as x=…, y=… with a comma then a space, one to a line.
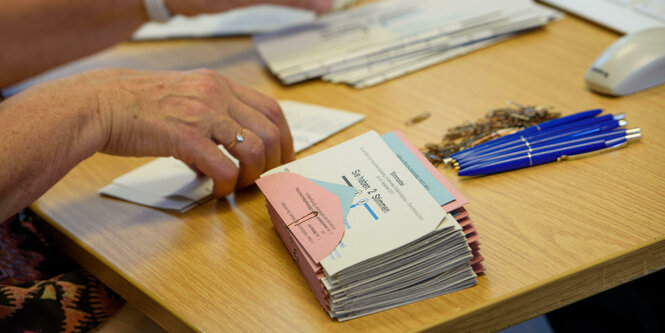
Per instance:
x=373, y=43
x=372, y=225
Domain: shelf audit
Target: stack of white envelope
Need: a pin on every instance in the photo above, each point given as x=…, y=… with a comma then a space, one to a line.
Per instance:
x=372, y=225
x=373, y=43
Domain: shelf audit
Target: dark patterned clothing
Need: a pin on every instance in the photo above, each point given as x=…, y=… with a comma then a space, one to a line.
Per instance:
x=41, y=291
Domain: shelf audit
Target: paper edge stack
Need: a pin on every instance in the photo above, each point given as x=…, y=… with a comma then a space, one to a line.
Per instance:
x=362, y=68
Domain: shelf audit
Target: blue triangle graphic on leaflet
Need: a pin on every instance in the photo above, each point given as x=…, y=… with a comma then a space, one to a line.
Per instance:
x=429, y=182
x=343, y=192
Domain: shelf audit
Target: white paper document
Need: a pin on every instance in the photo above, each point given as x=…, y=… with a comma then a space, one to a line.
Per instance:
x=169, y=183
x=241, y=21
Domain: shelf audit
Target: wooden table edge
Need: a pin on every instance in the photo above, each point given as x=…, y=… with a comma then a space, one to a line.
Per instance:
x=517, y=306
x=560, y=290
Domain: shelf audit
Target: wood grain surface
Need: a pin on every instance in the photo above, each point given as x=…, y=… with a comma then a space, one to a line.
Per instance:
x=552, y=234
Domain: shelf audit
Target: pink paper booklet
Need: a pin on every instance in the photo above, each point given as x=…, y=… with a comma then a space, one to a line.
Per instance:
x=372, y=225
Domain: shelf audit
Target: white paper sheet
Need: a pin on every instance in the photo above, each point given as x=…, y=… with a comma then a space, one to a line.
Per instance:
x=241, y=21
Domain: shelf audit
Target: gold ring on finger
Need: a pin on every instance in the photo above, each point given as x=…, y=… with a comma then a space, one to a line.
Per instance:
x=240, y=137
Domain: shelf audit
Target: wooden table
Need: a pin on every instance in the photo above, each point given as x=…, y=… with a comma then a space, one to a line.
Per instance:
x=553, y=234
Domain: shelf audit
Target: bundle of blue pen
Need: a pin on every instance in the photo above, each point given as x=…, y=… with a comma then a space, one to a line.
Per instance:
x=562, y=138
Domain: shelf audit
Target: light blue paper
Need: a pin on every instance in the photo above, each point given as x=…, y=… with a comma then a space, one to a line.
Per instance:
x=343, y=192
x=435, y=189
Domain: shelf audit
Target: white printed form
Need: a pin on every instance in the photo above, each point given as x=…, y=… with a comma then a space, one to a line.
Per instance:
x=311, y=124
x=390, y=208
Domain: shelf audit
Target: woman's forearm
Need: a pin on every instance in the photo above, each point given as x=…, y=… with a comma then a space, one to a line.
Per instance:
x=37, y=35
x=46, y=131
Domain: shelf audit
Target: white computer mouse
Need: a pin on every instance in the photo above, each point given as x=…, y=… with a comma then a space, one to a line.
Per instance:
x=634, y=62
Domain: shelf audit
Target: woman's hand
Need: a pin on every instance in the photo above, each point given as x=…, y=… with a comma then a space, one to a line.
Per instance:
x=186, y=115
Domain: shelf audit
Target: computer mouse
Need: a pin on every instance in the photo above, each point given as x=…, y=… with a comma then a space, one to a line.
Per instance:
x=634, y=62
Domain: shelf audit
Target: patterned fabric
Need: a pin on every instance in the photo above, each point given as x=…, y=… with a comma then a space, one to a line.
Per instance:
x=41, y=291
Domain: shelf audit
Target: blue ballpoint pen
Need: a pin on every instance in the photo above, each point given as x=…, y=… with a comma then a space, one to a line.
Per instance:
x=609, y=135
x=540, y=127
x=541, y=138
x=560, y=128
x=530, y=159
x=606, y=132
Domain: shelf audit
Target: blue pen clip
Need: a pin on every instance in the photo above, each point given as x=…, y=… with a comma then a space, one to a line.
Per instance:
x=631, y=135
